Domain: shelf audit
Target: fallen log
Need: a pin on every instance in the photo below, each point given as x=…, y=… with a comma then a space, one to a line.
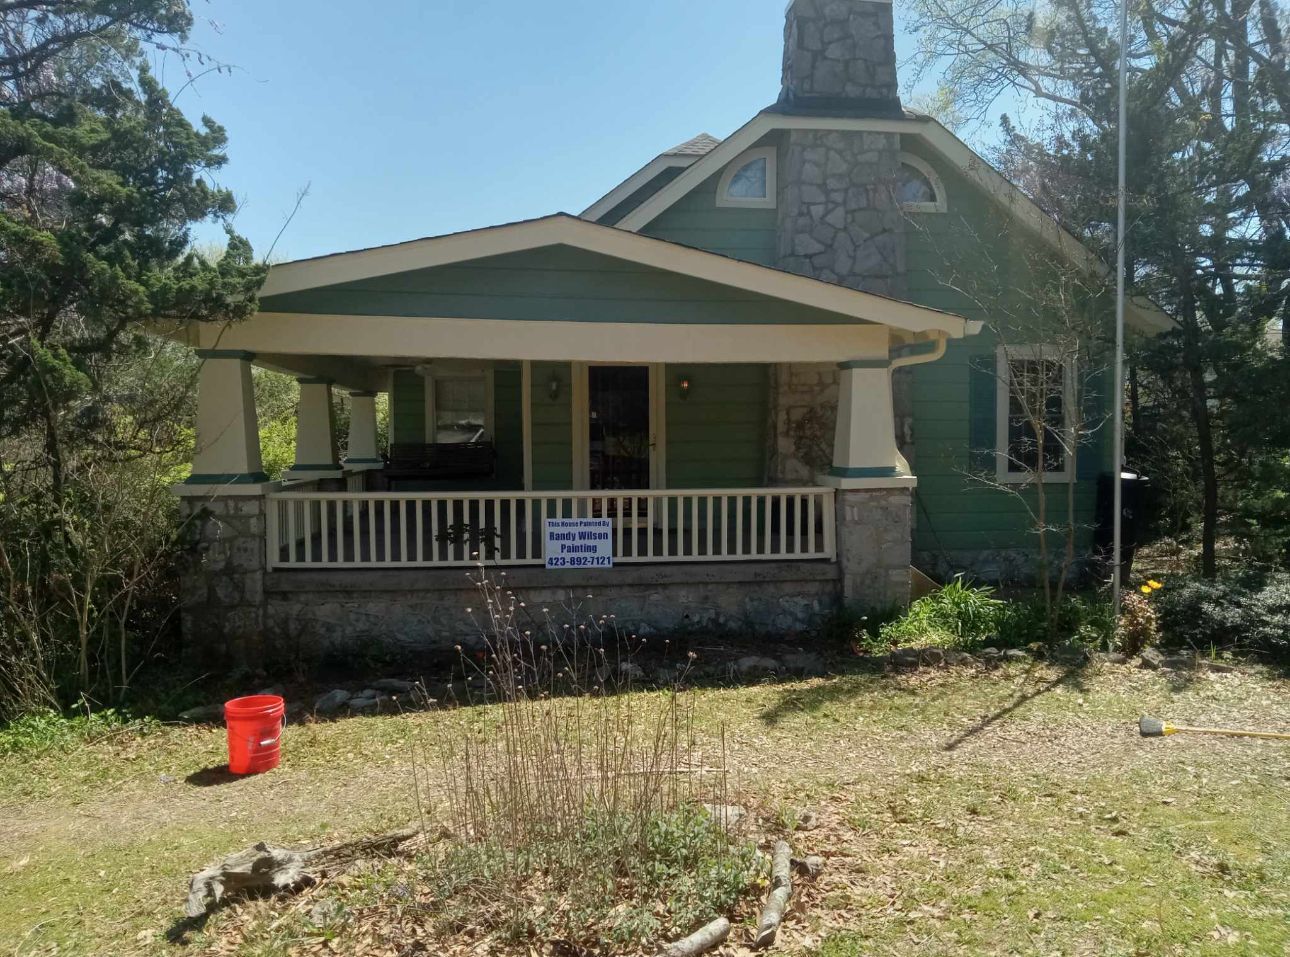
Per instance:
x=701, y=941
x=278, y=869
x=781, y=889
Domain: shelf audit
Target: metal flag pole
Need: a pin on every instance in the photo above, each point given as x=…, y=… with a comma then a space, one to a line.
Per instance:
x=1117, y=556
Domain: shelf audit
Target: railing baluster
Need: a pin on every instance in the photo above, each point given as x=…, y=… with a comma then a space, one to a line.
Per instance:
x=711, y=521
x=291, y=533
x=310, y=529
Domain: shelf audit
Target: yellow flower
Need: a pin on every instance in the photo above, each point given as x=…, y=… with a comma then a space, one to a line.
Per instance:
x=1155, y=585
x=1145, y=589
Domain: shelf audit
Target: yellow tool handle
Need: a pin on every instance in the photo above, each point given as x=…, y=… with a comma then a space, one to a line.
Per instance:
x=1226, y=732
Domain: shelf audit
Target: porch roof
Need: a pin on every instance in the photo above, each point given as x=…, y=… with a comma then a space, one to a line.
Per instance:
x=562, y=268
x=557, y=289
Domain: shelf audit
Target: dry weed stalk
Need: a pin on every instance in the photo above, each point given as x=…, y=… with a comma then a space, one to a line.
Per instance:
x=555, y=744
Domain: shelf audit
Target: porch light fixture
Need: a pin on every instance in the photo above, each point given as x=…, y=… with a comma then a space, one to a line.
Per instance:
x=553, y=386
x=683, y=386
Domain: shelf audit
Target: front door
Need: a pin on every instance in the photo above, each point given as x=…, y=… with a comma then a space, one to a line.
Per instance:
x=619, y=434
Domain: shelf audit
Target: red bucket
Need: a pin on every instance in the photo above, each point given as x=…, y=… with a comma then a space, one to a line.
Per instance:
x=254, y=733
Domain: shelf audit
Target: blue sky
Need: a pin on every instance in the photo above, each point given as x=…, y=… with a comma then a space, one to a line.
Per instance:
x=412, y=118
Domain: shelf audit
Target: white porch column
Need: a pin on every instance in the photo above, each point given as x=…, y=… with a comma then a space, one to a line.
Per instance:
x=875, y=489
x=317, y=456
x=228, y=432
x=362, y=452
x=865, y=454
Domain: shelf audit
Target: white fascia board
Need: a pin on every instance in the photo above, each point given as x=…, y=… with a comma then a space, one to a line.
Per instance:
x=637, y=180
x=564, y=230
x=1147, y=316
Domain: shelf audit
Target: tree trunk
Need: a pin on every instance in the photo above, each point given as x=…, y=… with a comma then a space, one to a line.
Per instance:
x=1198, y=401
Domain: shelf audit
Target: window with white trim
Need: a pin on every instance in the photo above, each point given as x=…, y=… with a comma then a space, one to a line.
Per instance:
x=1034, y=420
x=459, y=404
x=750, y=180
x=919, y=189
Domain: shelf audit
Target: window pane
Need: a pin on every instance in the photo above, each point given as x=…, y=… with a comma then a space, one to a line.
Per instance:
x=460, y=410
x=1036, y=406
x=749, y=182
x=914, y=187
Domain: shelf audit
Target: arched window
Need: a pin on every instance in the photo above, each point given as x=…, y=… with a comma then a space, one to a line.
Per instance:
x=749, y=181
x=919, y=189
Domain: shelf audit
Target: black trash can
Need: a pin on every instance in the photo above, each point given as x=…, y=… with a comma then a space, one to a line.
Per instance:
x=1134, y=485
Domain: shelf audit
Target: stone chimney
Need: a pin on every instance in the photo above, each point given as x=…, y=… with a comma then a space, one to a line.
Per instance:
x=840, y=56
x=839, y=216
x=839, y=219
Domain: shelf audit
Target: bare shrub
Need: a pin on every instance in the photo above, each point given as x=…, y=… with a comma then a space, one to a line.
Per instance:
x=576, y=805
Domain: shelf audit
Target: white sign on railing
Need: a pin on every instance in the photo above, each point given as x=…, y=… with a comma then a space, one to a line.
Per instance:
x=579, y=543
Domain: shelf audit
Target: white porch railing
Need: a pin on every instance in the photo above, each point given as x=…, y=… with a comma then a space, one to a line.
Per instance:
x=445, y=530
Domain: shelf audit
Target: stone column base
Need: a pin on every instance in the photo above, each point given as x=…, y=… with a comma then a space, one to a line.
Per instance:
x=222, y=580
x=875, y=529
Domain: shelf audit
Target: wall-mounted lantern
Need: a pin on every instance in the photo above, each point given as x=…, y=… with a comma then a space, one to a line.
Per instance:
x=553, y=386
x=683, y=386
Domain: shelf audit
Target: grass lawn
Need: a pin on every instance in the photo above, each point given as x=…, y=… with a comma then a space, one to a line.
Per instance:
x=1013, y=812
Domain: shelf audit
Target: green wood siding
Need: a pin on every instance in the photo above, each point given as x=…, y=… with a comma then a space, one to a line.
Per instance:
x=552, y=427
x=955, y=398
x=696, y=220
x=716, y=438
x=508, y=426
x=407, y=408
x=557, y=283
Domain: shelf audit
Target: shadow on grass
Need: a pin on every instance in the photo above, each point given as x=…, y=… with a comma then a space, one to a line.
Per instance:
x=858, y=680
x=214, y=776
x=1071, y=676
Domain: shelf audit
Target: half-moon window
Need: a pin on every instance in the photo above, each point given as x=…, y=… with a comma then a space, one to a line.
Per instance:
x=750, y=180
x=919, y=189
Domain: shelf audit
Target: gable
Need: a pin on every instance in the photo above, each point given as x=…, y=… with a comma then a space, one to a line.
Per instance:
x=556, y=283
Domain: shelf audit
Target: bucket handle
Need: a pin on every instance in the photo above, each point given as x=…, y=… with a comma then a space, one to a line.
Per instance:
x=281, y=727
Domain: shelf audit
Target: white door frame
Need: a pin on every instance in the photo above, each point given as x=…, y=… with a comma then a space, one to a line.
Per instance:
x=582, y=423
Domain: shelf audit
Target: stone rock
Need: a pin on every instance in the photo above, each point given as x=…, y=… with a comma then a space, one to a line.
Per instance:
x=808, y=821
x=755, y=666
x=1071, y=653
x=959, y=659
x=1016, y=655
x=934, y=657
x=205, y=714
x=1152, y=659
x=805, y=663
x=363, y=705
x=332, y=702
x=727, y=816
x=1178, y=663
x=275, y=691
x=394, y=686
x=811, y=866
x=905, y=658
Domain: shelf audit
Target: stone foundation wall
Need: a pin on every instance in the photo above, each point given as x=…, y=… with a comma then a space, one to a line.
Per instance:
x=315, y=614
x=235, y=613
x=222, y=580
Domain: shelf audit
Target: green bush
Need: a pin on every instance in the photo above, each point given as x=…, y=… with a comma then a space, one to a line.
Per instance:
x=1248, y=612
x=968, y=618
x=956, y=616
x=46, y=730
x=1026, y=622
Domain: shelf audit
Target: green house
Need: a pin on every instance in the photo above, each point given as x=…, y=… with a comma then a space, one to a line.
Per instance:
x=762, y=376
